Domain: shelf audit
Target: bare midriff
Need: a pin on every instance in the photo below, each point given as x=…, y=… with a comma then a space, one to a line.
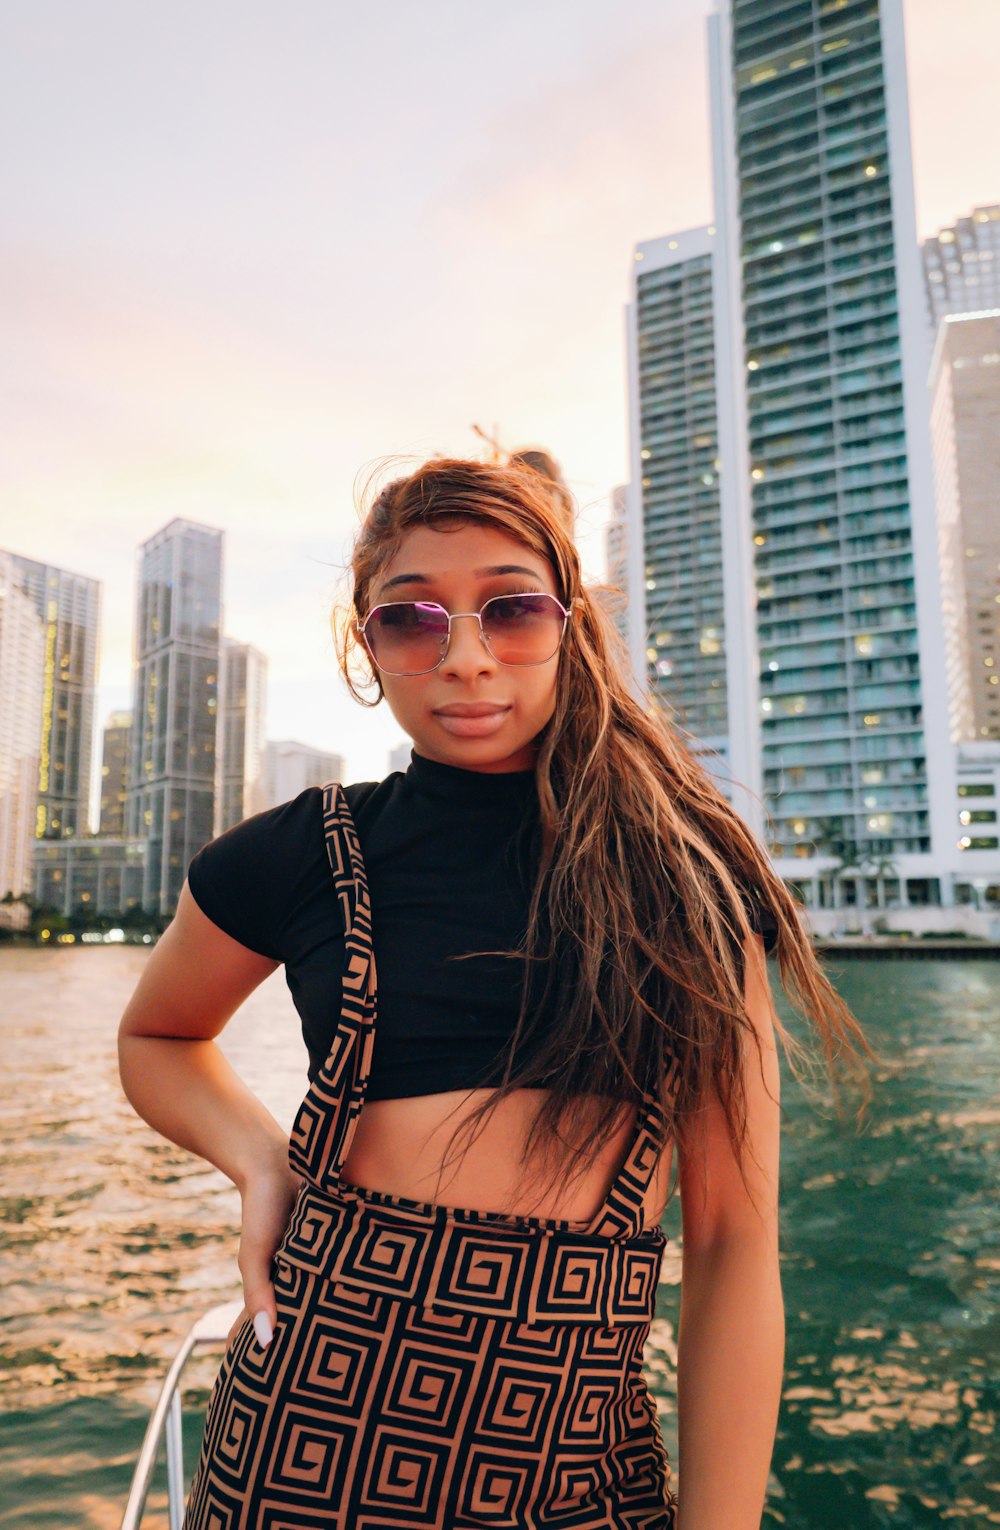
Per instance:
x=399, y=1145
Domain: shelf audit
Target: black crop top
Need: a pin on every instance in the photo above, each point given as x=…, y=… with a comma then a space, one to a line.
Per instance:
x=449, y=858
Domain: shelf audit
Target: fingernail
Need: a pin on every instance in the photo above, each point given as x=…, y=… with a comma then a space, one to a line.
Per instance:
x=262, y=1328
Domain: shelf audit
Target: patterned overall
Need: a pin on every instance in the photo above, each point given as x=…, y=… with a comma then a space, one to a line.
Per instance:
x=435, y=1367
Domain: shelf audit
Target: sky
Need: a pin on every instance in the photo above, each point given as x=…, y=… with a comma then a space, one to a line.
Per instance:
x=251, y=253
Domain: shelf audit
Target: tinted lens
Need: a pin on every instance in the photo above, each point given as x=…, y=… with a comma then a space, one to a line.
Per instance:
x=523, y=629
x=407, y=637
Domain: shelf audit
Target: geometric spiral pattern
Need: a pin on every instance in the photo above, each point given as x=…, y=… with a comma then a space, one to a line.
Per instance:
x=435, y=1367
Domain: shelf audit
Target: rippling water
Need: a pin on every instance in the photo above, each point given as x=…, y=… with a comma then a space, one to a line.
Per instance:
x=112, y=1241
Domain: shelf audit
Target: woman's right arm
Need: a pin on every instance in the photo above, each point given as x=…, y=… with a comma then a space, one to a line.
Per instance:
x=178, y=1080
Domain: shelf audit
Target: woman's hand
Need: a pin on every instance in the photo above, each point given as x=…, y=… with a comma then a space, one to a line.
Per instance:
x=268, y=1198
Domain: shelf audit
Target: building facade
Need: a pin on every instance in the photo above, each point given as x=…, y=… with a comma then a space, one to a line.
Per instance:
x=965, y=404
x=22, y=661
x=687, y=561
x=677, y=617
x=170, y=795
x=814, y=203
x=292, y=766
x=95, y=875
x=962, y=266
x=115, y=757
x=69, y=608
x=241, y=785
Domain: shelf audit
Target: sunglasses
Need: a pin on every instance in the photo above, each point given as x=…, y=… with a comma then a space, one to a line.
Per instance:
x=411, y=637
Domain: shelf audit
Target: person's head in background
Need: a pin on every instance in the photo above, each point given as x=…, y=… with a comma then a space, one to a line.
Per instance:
x=542, y=462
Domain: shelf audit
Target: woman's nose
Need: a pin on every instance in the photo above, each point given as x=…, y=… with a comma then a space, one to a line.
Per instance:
x=466, y=648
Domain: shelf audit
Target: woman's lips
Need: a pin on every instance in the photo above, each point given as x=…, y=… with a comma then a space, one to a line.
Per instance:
x=474, y=722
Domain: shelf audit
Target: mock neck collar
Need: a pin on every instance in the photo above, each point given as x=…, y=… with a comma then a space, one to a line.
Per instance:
x=455, y=783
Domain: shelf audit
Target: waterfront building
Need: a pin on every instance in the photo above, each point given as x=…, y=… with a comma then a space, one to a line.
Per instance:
x=114, y=771
x=684, y=553
x=22, y=660
x=965, y=401
x=817, y=244
x=241, y=786
x=97, y=874
x=292, y=766
x=170, y=794
x=962, y=266
x=69, y=608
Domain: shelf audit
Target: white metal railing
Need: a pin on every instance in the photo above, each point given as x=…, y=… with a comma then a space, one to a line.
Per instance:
x=210, y=1329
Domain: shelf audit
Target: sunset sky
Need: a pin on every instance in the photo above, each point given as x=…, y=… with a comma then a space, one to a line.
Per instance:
x=250, y=249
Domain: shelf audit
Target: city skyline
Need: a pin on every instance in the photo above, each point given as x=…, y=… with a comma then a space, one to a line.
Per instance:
x=234, y=336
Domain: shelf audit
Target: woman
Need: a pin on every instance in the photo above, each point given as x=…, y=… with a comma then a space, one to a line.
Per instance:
x=543, y=932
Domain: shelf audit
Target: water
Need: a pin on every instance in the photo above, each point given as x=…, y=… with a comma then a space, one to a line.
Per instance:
x=112, y=1241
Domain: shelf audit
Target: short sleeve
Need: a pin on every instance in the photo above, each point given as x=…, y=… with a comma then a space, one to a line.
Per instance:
x=244, y=880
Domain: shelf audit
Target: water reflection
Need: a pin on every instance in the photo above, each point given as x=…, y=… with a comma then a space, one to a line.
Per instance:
x=113, y=1241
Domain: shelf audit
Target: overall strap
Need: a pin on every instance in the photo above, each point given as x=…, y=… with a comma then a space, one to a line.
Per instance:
x=324, y=1125
x=623, y=1214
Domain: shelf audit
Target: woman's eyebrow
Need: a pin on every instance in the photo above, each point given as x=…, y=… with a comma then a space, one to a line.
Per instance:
x=480, y=573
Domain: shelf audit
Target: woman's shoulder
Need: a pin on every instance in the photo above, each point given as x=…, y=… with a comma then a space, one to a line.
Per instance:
x=250, y=879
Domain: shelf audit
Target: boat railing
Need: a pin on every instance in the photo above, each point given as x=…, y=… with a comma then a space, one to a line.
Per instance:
x=210, y=1330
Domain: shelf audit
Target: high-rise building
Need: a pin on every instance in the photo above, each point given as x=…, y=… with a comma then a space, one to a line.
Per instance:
x=68, y=606
x=616, y=558
x=241, y=786
x=962, y=266
x=291, y=767
x=114, y=772
x=814, y=204
x=675, y=551
x=171, y=782
x=965, y=389
x=22, y=660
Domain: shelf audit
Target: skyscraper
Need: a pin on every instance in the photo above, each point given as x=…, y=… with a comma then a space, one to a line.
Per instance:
x=962, y=266
x=676, y=612
x=814, y=203
x=241, y=786
x=965, y=389
x=114, y=772
x=687, y=560
x=171, y=783
x=68, y=606
x=22, y=658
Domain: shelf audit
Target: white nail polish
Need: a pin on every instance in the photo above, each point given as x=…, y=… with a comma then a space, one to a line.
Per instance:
x=262, y=1328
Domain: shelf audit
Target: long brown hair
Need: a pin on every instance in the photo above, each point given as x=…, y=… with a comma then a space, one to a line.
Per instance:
x=638, y=915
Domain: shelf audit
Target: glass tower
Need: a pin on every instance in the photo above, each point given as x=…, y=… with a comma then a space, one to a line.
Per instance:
x=962, y=266
x=170, y=795
x=241, y=787
x=69, y=607
x=678, y=624
x=114, y=772
x=814, y=190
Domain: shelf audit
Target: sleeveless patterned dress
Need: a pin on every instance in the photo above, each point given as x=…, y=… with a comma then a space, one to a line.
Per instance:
x=434, y=1367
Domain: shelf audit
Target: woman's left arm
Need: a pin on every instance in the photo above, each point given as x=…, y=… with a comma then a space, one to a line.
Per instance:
x=731, y=1346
